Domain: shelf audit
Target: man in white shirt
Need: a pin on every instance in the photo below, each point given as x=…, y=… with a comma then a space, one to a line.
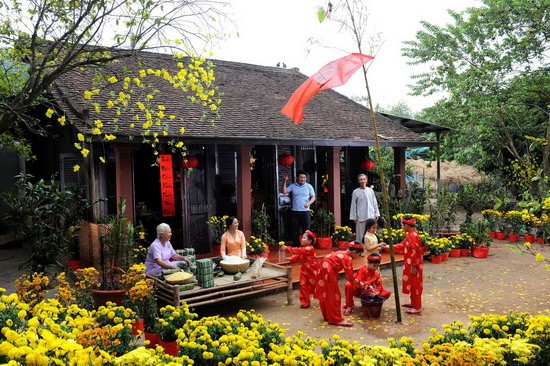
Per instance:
x=363, y=206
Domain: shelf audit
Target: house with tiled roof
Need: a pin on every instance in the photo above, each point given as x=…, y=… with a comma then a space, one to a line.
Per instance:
x=239, y=167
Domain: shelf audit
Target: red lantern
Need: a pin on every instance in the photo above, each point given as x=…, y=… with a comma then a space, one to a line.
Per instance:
x=286, y=159
x=367, y=164
x=190, y=162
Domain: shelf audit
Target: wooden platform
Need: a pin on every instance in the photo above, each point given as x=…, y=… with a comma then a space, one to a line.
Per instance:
x=273, y=278
x=273, y=257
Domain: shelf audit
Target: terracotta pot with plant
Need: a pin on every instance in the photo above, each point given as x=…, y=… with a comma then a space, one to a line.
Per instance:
x=342, y=235
x=323, y=222
x=119, y=242
x=479, y=231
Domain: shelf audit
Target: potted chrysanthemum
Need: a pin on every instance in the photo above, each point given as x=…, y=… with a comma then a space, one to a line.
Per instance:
x=256, y=247
x=342, y=235
x=140, y=295
x=171, y=319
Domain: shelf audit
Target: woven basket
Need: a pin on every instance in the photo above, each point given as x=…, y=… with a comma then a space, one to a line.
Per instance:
x=183, y=281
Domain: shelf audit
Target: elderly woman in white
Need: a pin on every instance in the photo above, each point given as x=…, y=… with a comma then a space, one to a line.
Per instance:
x=161, y=255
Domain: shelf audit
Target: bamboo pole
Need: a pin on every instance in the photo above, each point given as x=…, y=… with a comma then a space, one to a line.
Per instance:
x=385, y=199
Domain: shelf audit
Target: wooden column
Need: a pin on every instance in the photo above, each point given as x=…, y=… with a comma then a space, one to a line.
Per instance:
x=399, y=169
x=333, y=169
x=244, y=189
x=125, y=177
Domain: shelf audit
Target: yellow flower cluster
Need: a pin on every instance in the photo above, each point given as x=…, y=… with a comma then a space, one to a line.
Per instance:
x=65, y=294
x=113, y=314
x=171, y=319
x=32, y=288
x=217, y=227
x=397, y=235
x=86, y=279
x=256, y=245
x=136, y=95
x=514, y=220
x=461, y=241
x=342, y=233
x=420, y=218
x=438, y=246
x=51, y=333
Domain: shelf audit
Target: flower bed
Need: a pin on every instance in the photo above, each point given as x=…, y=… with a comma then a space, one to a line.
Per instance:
x=50, y=333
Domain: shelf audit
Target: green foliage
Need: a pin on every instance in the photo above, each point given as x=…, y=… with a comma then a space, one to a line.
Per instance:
x=442, y=211
x=42, y=214
x=491, y=63
x=260, y=226
x=471, y=197
x=479, y=231
x=412, y=200
x=323, y=221
x=43, y=40
x=119, y=239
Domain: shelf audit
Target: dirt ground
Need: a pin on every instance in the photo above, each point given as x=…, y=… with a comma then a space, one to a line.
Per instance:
x=453, y=290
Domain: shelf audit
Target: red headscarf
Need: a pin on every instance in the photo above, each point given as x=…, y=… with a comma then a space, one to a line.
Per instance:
x=410, y=221
x=311, y=235
x=374, y=257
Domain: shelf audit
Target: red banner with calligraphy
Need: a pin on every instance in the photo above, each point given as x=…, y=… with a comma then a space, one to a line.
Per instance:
x=167, y=185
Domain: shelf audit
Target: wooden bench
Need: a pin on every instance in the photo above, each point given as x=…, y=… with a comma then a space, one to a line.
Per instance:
x=273, y=278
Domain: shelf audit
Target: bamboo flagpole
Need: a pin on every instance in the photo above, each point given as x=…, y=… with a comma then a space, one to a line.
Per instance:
x=334, y=74
x=385, y=199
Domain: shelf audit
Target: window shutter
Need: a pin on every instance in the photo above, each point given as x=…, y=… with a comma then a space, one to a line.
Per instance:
x=68, y=176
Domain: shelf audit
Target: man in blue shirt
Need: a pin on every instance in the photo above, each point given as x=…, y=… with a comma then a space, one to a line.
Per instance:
x=303, y=196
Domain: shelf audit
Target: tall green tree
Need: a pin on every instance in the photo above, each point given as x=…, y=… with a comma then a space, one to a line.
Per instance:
x=43, y=39
x=492, y=64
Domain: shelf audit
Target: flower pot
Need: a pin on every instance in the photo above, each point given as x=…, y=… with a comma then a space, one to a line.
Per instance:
x=74, y=264
x=170, y=348
x=480, y=252
x=513, y=238
x=436, y=259
x=464, y=252
x=324, y=243
x=343, y=244
x=217, y=250
x=492, y=234
x=455, y=253
x=529, y=238
x=445, y=256
x=500, y=236
x=101, y=297
x=153, y=339
x=540, y=241
x=137, y=327
x=371, y=306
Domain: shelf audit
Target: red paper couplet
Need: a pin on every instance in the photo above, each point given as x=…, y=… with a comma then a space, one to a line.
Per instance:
x=167, y=185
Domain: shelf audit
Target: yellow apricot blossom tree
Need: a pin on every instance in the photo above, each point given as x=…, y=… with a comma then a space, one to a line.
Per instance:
x=42, y=40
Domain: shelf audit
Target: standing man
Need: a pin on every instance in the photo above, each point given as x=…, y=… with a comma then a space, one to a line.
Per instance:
x=363, y=206
x=303, y=196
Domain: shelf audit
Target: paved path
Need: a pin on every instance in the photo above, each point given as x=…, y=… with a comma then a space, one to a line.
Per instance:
x=11, y=256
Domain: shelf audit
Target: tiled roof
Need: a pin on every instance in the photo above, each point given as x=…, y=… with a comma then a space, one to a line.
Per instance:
x=252, y=98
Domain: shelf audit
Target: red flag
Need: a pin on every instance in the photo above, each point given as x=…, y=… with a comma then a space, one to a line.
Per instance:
x=333, y=74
